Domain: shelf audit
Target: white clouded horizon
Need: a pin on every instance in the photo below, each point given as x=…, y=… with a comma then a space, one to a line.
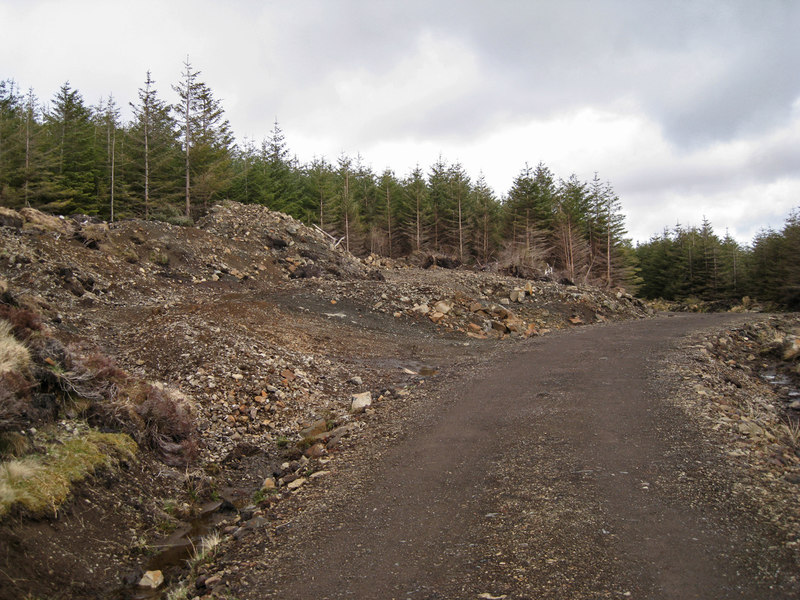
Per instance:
x=688, y=109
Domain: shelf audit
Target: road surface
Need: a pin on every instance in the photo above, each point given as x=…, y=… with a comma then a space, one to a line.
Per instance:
x=557, y=470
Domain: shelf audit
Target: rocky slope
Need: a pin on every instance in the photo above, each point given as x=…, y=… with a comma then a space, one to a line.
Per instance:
x=270, y=333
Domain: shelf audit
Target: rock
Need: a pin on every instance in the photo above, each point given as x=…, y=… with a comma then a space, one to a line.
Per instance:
x=315, y=451
x=792, y=348
x=316, y=428
x=436, y=316
x=443, y=307
x=297, y=483
x=358, y=402
x=516, y=295
x=269, y=484
x=422, y=309
x=475, y=307
x=498, y=326
x=152, y=580
x=356, y=380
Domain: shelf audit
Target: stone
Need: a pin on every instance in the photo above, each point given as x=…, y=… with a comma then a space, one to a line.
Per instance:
x=269, y=484
x=315, y=451
x=422, y=309
x=297, y=483
x=436, y=316
x=356, y=380
x=318, y=474
x=152, y=580
x=498, y=326
x=316, y=428
x=576, y=320
x=443, y=307
x=358, y=402
x=516, y=295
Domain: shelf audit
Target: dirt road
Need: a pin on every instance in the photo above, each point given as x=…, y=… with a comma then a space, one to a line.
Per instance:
x=559, y=470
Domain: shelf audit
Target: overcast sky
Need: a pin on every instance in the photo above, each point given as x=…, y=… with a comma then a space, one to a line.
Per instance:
x=689, y=108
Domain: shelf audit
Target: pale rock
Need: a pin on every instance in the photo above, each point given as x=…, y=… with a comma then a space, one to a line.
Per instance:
x=356, y=380
x=359, y=402
x=269, y=484
x=443, y=307
x=152, y=580
x=297, y=483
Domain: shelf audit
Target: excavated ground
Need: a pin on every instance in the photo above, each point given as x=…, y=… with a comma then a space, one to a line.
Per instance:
x=269, y=331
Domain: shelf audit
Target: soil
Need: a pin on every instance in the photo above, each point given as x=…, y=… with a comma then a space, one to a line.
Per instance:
x=509, y=448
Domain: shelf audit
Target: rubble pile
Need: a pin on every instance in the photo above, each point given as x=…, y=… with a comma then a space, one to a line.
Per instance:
x=744, y=385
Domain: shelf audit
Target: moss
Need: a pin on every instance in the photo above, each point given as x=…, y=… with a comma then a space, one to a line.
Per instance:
x=41, y=483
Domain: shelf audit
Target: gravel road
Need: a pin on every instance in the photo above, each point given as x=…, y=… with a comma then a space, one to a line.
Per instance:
x=556, y=469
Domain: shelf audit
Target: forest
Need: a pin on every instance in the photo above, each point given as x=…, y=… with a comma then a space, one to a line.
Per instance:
x=173, y=161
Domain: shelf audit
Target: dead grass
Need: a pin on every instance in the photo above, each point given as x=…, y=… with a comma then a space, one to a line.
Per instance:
x=14, y=356
x=41, y=483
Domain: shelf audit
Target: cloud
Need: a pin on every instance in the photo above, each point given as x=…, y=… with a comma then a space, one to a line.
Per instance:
x=684, y=107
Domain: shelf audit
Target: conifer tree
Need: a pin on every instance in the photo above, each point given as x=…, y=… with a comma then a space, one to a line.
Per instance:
x=71, y=136
x=154, y=153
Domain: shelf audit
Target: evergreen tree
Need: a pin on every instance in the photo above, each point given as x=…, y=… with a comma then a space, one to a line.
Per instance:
x=154, y=152
x=387, y=218
x=71, y=138
x=188, y=90
x=484, y=221
x=12, y=116
x=415, y=211
x=320, y=190
x=570, y=228
x=528, y=217
x=461, y=207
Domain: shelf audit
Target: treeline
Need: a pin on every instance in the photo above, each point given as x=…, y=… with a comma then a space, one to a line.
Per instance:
x=694, y=263
x=171, y=162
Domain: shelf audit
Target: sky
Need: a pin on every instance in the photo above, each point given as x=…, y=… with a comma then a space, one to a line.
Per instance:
x=689, y=108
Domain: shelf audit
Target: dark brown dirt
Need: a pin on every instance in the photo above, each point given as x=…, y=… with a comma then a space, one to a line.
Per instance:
x=556, y=470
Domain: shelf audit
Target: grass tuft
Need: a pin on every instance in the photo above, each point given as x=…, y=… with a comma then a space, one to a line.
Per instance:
x=14, y=356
